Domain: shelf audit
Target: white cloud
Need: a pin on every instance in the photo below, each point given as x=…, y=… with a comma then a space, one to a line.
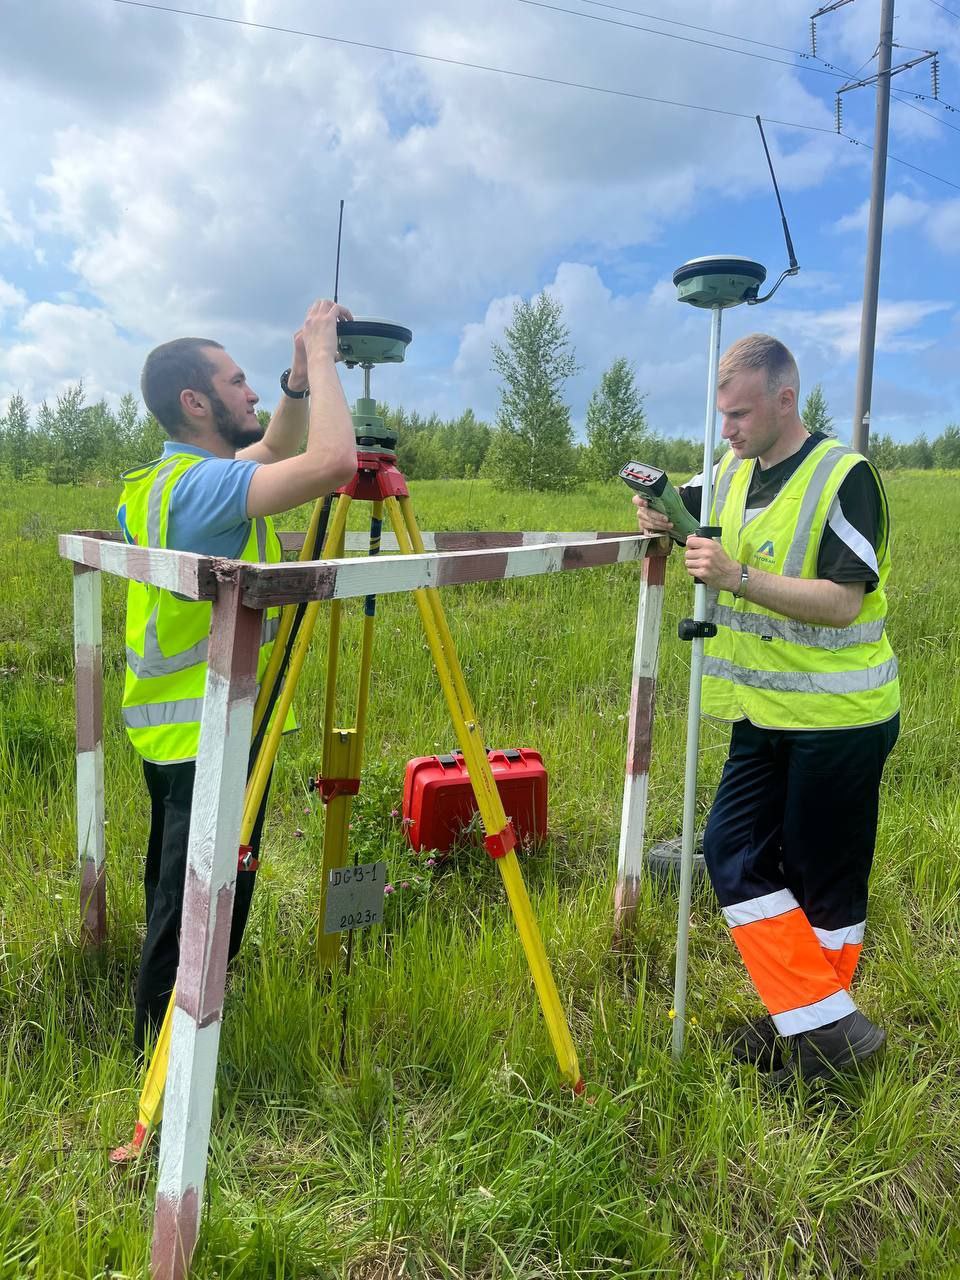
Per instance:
x=217, y=199
x=667, y=343
x=836, y=332
x=939, y=220
x=58, y=344
x=899, y=210
x=944, y=226
x=11, y=231
x=183, y=176
x=11, y=298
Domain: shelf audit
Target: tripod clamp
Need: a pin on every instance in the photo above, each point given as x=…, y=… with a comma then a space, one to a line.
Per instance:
x=698, y=628
x=330, y=788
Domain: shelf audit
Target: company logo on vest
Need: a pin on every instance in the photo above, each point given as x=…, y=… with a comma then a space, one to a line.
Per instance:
x=765, y=552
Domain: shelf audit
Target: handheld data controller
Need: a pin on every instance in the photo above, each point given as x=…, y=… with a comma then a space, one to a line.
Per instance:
x=652, y=483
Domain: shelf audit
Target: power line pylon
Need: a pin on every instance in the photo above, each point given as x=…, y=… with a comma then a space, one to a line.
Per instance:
x=871, y=282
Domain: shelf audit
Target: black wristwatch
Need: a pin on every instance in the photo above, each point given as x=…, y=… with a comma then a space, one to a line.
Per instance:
x=294, y=395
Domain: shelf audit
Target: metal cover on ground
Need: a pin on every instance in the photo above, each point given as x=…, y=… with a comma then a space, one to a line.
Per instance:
x=355, y=897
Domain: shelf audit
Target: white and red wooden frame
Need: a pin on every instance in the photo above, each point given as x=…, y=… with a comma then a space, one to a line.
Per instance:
x=88, y=652
x=238, y=592
x=643, y=692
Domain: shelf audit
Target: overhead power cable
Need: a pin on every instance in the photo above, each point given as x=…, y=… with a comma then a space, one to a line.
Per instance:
x=907, y=164
x=503, y=71
x=946, y=123
x=672, y=35
x=689, y=26
x=952, y=12
x=473, y=66
x=902, y=97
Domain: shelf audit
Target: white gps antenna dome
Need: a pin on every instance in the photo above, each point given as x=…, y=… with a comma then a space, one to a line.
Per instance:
x=721, y=281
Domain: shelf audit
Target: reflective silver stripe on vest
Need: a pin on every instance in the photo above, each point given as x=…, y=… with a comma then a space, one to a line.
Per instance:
x=804, y=633
x=723, y=486
x=155, y=501
x=153, y=715
x=154, y=663
x=793, y=564
x=862, y=681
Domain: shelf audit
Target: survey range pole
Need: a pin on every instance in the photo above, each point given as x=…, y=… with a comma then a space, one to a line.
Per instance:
x=871, y=281
x=700, y=612
x=711, y=284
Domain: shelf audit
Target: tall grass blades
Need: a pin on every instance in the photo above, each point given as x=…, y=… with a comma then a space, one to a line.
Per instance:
x=446, y=1148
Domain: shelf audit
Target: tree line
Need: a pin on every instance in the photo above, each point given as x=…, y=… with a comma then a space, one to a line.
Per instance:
x=533, y=444
x=72, y=441
x=530, y=445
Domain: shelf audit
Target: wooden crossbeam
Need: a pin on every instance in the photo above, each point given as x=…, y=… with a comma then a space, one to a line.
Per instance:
x=465, y=540
x=192, y=576
x=479, y=557
x=342, y=579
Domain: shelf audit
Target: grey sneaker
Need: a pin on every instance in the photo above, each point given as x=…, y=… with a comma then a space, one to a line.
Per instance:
x=756, y=1043
x=827, y=1050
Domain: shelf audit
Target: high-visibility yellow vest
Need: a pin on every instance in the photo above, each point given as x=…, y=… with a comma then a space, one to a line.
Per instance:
x=769, y=669
x=167, y=636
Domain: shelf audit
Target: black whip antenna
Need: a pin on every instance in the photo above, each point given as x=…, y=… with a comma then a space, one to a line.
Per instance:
x=336, y=276
x=791, y=256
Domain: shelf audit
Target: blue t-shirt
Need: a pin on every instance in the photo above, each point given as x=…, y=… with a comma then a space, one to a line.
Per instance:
x=208, y=506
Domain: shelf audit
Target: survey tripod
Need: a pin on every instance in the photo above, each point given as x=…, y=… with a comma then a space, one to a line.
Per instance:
x=379, y=482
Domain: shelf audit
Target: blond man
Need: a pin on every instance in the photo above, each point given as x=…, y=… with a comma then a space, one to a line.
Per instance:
x=802, y=668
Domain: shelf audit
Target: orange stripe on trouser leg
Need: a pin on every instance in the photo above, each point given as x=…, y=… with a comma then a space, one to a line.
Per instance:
x=844, y=961
x=785, y=961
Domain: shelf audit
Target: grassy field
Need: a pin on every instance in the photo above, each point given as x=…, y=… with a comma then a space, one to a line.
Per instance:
x=447, y=1148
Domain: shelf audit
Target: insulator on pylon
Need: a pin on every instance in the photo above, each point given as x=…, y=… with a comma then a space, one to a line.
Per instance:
x=935, y=77
x=813, y=36
x=839, y=114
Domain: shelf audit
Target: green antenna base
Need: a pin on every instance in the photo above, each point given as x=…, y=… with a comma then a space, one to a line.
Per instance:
x=367, y=342
x=372, y=433
x=718, y=282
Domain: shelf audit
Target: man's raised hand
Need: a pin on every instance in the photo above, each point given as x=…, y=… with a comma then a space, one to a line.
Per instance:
x=298, y=379
x=320, y=329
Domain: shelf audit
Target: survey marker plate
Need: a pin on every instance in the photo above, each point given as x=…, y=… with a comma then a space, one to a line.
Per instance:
x=355, y=897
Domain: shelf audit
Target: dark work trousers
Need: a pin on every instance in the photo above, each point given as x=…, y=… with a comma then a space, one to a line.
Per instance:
x=789, y=846
x=171, y=794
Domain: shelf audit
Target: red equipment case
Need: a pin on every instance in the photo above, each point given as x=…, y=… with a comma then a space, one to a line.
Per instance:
x=438, y=801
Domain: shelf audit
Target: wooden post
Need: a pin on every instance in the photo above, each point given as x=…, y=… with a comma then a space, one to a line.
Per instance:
x=88, y=651
x=639, y=741
x=207, y=915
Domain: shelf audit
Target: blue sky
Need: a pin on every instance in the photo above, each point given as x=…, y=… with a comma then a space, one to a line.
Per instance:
x=170, y=175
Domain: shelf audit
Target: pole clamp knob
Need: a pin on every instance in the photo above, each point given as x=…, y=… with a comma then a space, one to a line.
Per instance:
x=690, y=629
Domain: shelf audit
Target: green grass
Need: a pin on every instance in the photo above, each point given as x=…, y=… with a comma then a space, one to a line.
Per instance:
x=447, y=1148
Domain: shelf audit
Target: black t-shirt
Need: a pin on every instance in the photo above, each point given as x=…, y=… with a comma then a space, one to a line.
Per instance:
x=856, y=522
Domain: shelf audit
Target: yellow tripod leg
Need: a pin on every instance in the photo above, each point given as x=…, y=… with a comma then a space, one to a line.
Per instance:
x=150, y=1109
x=333, y=663
x=151, y=1096
x=498, y=831
x=287, y=615
x=257, y=782
x=366, y=643
x=335, y=838
x=343, y=755
x=485, y=776
x=334, y=763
